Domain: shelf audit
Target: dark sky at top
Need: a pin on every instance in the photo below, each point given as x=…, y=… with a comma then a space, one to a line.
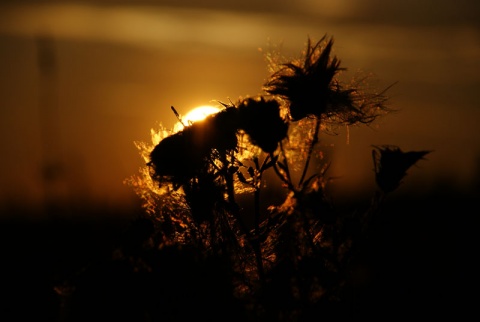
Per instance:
x=462, y=12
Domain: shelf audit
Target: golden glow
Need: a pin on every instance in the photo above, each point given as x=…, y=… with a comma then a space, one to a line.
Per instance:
x=197, y=114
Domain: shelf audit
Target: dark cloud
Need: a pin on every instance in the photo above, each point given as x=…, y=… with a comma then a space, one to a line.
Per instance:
x=426, y=12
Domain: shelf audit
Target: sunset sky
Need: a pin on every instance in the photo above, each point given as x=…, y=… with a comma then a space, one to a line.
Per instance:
x=112, y=69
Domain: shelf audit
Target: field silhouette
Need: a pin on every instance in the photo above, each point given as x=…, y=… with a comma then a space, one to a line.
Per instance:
x=415, y=263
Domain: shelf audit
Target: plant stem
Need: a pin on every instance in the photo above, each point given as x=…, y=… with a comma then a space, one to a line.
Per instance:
x=310, y=150
x=253, y=240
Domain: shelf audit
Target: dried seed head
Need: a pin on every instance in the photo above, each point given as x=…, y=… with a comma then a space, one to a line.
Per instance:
x=306, y=84
x=261, y=120
x=310, y=87
x=183, y=155
x=391, y=165
x=176, y=157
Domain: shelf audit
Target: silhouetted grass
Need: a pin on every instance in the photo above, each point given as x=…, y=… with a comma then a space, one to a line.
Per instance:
x=419, y=261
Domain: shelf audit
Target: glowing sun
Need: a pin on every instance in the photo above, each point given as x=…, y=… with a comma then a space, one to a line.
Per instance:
x=194, y=115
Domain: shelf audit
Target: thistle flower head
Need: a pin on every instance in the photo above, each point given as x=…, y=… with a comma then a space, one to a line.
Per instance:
x=306, y=84
x=176, y=158
x=261, y=120
x=391, y=165
x=183, y=155
x=310, y=87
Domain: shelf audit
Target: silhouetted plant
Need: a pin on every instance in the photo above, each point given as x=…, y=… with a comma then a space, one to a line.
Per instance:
x=391, y=165
x=288, y=261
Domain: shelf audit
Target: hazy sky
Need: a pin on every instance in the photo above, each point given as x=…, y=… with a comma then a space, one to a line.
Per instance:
x=112, y=69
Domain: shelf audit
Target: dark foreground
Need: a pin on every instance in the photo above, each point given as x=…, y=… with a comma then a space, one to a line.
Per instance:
x=418, y=263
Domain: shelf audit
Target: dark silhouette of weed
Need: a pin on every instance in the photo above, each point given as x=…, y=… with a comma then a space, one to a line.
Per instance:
x=197, y=251
x=310, y=87
x=391, y=165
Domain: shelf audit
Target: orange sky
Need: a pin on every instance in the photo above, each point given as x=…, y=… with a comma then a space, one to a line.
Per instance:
x=118, y=68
